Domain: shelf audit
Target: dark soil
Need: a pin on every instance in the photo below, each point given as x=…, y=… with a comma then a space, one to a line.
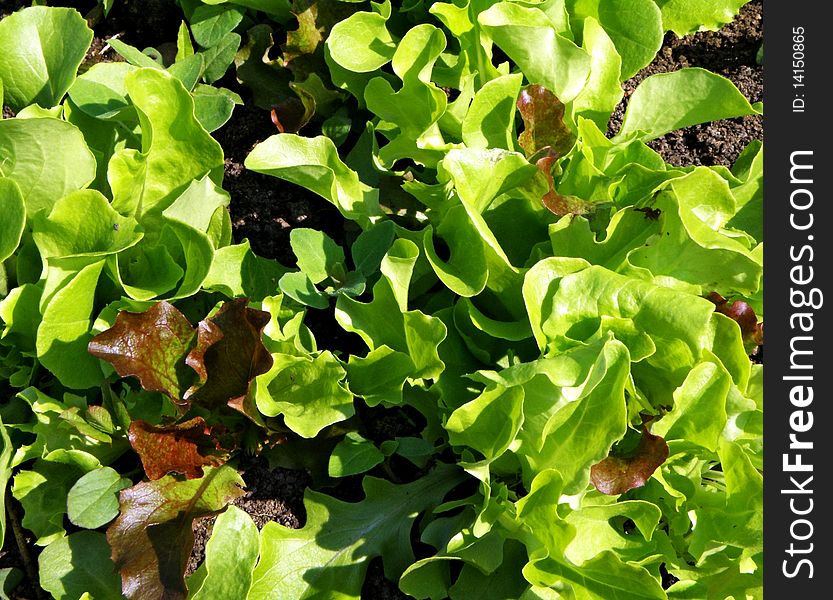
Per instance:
x=265, y=209
x=729, y=52
x=271, y=495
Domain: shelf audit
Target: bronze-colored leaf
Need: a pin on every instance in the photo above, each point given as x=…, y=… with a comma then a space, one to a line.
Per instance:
x=150, y=346
x=229, y=354
x=543, y=116
x=555, y=202
x=183, y=448
x=152, y=537
x=623, y=471
x=744, y=315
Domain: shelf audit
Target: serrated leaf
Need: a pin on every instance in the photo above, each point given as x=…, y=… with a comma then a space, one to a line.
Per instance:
x=345, y=537
x=624, y=471
x=152, y=537
x=228, y=355
x=150, y=346
x=183, y=448
x=93, y=500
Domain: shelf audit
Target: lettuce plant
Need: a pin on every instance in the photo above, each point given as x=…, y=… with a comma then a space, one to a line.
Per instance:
x=570, y=315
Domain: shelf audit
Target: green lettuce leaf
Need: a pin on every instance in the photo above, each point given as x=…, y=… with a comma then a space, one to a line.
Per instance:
x=546, y=57
x=635, y=27
x=314, y=164
x=93, y=500
x=47, y=158
x=386, y=320
x=79, y=565
x=14, y=217
x=143, y=183
x=670, y=101
x=309, y=391
x=42, y=48
x=345, y=536
x=234, y=534
x=689, y=16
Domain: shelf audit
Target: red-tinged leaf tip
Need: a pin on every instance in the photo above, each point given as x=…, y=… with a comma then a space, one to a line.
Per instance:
x=149, y=346
x=619, y=473
x=291, y=114
x=152, y=537
x=229, y=354
x=543, y=116
x=183, y=448
x=744, y=315
x=556, y=203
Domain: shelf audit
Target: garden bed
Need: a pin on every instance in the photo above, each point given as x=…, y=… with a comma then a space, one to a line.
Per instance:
x=264, y=210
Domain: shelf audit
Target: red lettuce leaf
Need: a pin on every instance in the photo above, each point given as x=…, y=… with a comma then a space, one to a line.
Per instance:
x=228, y=355
x=183, y=448
x=152, y=537
x=150, y=346
x=744, y=315
x=555, y=202
x=624, y=471
x=544, y=127
x=545, y=139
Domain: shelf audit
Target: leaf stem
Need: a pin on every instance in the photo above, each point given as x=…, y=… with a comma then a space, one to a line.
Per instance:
x=22, y=546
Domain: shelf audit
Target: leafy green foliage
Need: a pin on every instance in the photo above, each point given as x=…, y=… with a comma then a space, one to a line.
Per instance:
x=562, y=318
x=93, y=500
x=345, y=536
x=78, y=564
x=234, y=534
x=43, y=49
